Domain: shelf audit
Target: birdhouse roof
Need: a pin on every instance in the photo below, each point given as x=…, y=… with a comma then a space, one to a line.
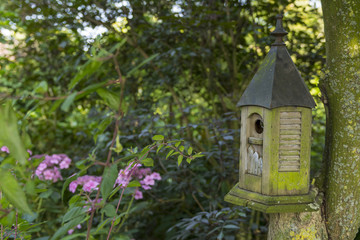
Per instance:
x=277, y=83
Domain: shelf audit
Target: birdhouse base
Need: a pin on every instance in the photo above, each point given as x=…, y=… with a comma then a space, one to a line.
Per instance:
x=273, y=204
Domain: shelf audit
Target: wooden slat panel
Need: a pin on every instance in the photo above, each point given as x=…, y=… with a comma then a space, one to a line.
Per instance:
x=290, y=137
x=295, y=157
x=289, y=168
x=290, y=126
x=290, y=153
x=290, y=142
x=290, y=163
x=290, y=115
x=290, y=132
x=289, y=147
x=290, y=121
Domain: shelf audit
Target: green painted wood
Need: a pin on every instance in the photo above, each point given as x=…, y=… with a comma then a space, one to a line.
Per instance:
x=267, y=148
x=273, y=204
x=292, y=181
x=252, y=182
x=274, y=140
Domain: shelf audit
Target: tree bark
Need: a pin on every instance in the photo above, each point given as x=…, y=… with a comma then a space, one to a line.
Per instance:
x=342, y=90
x=339, y=218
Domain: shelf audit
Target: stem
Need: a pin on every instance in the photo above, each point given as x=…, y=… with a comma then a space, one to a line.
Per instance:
x=119, y=113
x=127, y=211
x=16, y=224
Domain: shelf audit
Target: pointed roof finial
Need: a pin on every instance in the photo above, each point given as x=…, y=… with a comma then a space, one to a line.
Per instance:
x=279, y=32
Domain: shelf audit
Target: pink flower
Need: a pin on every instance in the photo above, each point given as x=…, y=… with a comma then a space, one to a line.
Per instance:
x=90, y=185
x=146, y=187
x=49, y=168
x=48, y=174
x=138, y=195
x=42, y=166
x=29, y=151
x=5, y=149
x=70, y=231
x=65, y=163
x=155, y=176
x=72, y=187
x=148, y=180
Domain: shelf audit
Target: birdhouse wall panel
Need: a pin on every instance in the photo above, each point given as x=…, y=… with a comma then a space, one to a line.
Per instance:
x=251, y=148
x=294, y=150
x=273, y=145
x=267, y=150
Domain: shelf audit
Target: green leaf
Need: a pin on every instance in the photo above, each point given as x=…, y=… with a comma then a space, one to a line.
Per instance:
x=73, y=213
x=30, y=187
x=190, y=150
x=13, y=192
x=159, y=148
x=9, y=135
x=101, y=127
x=119, y=147
x=110, y=98
x=69, y=225
x=68, y=101
x=188, y=160
x=90, y=67
x=169, y=154
x=109, y=210
x=56, y=105
x=134, y=183
x=180, y=158
x=177, y=143
x=148, y=162
x=109, y=178
x=181, y=148
x=101, y=225
x=158, y=138
x=132, y=71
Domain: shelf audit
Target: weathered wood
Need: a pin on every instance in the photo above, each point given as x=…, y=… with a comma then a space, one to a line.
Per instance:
x=290, y=132
x=256, y=141
x=295, y=168
x=289, y=147
x=289, y=114
x=290, y=126
x=290, y=142
x=290, y=158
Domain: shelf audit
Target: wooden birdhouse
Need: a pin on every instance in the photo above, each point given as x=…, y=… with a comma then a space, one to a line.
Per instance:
x=275, y=137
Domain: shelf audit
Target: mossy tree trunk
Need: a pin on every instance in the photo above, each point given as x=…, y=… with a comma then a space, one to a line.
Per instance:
x=340, y=215
x=342, y=96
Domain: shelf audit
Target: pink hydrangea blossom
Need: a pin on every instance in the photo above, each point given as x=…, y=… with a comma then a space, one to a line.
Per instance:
x=48, y=169
x=90, y=185
x=143, y=175
x=88, y=182
x=138, y=194
x=5, y=149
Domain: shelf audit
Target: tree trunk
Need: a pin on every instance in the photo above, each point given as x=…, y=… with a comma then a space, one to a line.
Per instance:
x=341, y=168
x=342, y=89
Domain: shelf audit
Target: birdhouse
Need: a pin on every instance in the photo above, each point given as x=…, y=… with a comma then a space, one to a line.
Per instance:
x=275, y=137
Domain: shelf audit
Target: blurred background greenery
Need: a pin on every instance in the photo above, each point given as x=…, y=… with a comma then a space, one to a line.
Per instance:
x=204, y=54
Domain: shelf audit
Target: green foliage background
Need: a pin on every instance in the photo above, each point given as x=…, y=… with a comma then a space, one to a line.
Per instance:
x=197, y=58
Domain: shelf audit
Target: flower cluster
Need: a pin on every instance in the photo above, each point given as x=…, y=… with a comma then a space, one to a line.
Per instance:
x=88, y=183
x=144, y=175
x=49, y=168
